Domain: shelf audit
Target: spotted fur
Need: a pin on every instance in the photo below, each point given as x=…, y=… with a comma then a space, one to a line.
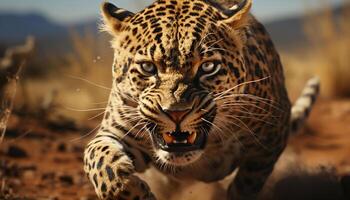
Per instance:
x=198, y=91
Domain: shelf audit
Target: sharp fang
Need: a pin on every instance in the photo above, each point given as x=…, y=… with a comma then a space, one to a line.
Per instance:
x=192, y=138
x=234, y=7
x=168, y=138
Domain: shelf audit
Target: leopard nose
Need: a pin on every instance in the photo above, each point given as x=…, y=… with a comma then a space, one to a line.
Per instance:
x=177, y=115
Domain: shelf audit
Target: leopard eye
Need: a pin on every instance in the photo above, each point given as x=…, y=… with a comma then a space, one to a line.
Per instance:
x=210, y=67
x=148, y=67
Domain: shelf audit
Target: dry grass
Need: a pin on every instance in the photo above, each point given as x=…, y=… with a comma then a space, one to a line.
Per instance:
x=78, y=87
x=91, y=62
x=89, y=74
x=328, y=55
x=331, y=40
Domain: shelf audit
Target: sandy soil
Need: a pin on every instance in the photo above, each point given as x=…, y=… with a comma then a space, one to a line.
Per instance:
x=42, y=162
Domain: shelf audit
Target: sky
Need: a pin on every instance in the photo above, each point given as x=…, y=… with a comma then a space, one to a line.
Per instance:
x=74, y=11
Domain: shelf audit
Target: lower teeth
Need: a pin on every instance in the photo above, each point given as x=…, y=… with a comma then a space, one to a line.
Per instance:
x=180, y=142
x=171, y=140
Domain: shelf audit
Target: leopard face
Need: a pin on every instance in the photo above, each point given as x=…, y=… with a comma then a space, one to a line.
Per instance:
x=173, y=62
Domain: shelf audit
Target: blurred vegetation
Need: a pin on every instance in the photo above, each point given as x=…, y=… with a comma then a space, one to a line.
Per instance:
x=77, y=87
x=331, y=47
x=328, y=54
x=78, y=80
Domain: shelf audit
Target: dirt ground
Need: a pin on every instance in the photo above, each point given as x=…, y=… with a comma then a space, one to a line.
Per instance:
x=45, y=162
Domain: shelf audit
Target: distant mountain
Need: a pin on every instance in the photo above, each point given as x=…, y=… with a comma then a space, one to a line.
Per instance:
x=90, y=25
x=50, y=36
x=286, y=33
x=18, y=26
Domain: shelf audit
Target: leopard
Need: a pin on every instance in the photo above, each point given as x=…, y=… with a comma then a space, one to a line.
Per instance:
x=198, y=92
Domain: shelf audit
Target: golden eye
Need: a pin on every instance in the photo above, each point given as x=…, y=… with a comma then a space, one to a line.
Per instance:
x=148, y=67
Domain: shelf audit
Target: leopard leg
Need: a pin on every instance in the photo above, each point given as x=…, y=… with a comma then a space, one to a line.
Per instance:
x=251, y=177
x=110, y=165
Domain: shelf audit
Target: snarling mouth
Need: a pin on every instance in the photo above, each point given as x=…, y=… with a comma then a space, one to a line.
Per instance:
x=180, y=141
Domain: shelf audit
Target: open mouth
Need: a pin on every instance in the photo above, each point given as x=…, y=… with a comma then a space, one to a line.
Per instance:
x=180, y=141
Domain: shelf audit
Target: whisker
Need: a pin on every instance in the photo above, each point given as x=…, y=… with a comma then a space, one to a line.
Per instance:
x=19, y=137
x=225, y=124
x=131, y=98
x=215, y=126
x=216, y=49
x=239, y=85
x=249, y=117
x=251, y=132
x=84, y=110
x=86, y=135
x=242, y=105
x=97, y=103
x=133, y=119
x=249, y=96
x=96, y=116
x=204, y=38
x=211, y=45
x=145, y=126
x=132, y=128
x=265, y=101
x=88, y=81
x=244, y=110
x=129, y=113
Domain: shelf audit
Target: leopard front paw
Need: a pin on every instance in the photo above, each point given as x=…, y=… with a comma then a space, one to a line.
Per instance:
x=111, y=170
x=132, y=188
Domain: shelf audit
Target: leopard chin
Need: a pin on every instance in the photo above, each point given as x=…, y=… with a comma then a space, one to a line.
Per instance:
x=178, y=159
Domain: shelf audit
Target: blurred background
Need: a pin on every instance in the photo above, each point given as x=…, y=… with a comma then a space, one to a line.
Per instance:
x=311, y=35
x=66, y=82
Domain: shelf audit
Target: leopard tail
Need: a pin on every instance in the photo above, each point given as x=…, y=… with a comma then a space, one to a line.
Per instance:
x=303, y=106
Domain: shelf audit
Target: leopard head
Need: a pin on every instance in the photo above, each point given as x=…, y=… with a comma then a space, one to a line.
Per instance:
x=173, y=61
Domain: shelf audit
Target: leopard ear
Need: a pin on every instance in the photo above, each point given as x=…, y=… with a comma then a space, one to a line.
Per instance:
x=237, y=15
x=113, y=17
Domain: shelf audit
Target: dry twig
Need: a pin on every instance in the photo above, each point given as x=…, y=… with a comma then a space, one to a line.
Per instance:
x=10, y=66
